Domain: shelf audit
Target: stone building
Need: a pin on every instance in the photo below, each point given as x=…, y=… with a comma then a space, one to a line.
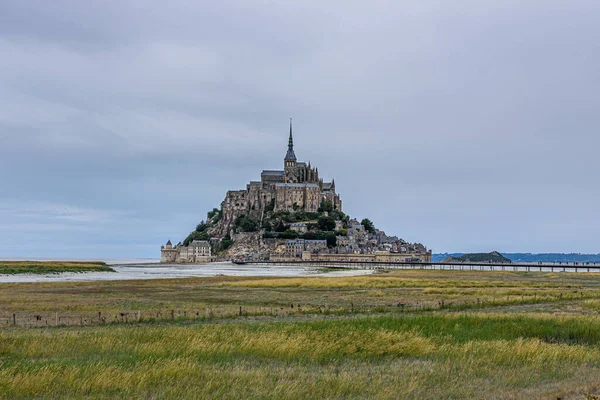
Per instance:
x=168, y=254
x=299, y=227
x=198, y=251
x=296, y=247
x=298, y=187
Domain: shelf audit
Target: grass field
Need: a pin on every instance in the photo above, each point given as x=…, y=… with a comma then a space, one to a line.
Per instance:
x=456, y=335
x=51, y=267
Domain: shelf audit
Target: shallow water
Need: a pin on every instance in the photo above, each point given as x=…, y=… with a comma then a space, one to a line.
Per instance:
x=162, y=271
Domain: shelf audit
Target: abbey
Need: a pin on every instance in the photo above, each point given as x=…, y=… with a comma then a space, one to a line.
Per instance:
x=290, y=214
x=297, y=187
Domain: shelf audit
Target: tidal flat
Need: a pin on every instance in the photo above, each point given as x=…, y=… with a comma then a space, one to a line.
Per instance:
x=403, y=334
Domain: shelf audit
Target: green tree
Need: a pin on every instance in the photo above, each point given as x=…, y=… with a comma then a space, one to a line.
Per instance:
x=267, y=226
x=280, y=227
x=331, y=239
x=338, y=215
x=271, y=206
x=325, y=206
x=342, y=232
x=201, y=227
x=195, y=236
x=368, y=225
x=225, y=244
x=289, y=234
x=326, y=223
x=245, y=223
x=310, y=236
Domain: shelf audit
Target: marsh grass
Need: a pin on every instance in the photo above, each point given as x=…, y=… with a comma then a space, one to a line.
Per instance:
x=78, y=303
x=51, y=267
x=408, y=334
x=419, y=356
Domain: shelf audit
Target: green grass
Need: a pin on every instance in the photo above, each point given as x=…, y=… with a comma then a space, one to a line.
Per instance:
x=51, y=267
x=424, y=356
x=499, y=335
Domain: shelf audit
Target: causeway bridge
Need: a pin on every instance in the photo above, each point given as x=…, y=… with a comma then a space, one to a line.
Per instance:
x=457, y=266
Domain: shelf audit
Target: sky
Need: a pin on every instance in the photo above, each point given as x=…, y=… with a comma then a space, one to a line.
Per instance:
x=465, y=126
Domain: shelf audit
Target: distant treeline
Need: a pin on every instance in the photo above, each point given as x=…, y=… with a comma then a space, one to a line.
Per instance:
x=531, y=257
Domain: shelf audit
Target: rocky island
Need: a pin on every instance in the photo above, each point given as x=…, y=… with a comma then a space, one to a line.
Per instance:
x=493, y=257
x=289, y=214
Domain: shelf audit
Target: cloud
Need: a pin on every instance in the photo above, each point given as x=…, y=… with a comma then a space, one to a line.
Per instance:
x=465, y=127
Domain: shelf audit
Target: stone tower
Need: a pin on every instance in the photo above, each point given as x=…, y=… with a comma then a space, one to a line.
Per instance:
x=289, y=162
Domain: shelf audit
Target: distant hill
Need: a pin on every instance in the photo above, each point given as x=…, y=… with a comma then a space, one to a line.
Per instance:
x=493, y=257
x=533, y=257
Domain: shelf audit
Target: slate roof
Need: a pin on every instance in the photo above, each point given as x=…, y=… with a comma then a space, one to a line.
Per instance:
x=199, y=243
x=310, y=185
x=290, y=154
x=272, y=172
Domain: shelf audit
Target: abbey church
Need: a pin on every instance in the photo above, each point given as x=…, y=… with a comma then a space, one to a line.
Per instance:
x=297, y=187
x=290, y=214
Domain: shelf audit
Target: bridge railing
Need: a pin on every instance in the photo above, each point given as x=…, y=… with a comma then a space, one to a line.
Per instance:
x=528, y=267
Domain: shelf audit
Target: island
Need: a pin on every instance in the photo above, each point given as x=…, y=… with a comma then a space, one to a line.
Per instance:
x=289, y=214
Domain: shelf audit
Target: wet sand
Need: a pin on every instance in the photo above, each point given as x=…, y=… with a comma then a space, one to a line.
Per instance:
x=165, y=271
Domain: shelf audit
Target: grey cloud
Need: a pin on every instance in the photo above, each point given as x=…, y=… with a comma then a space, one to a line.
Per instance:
x=466, y=126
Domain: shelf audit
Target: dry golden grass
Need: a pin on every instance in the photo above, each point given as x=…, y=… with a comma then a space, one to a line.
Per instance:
x=524, y=336
x=425, y=356
x=80, y=302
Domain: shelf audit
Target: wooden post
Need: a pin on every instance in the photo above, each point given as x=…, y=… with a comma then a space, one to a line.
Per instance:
x=172, y=314
x=99, y=316
x=240, y=311
x=14, y=319
x=56, y=315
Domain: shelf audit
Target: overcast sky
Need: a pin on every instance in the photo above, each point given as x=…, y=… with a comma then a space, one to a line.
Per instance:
x=467, y=128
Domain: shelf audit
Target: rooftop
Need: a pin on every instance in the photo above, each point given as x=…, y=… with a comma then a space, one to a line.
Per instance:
x=311, y=185
x=272, y=172
x=199, y=243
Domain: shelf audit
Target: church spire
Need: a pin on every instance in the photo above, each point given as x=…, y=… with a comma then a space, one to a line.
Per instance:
x=291, y=141
x=290, y=153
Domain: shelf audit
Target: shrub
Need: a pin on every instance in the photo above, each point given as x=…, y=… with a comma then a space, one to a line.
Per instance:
x=245, y=223
x=325, y=206
x=195, y=236
x=213, y=212
x=289, y=234
x=280, y=227
x=368, y=224
x=326, y=223
x=226, y=244
x=201, y=227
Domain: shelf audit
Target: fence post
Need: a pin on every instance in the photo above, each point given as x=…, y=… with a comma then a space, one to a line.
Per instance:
x=172, y=314
x=56, y=316
x=15, y=319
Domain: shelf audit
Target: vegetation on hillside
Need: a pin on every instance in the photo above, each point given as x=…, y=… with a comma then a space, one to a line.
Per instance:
x=321, y=225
